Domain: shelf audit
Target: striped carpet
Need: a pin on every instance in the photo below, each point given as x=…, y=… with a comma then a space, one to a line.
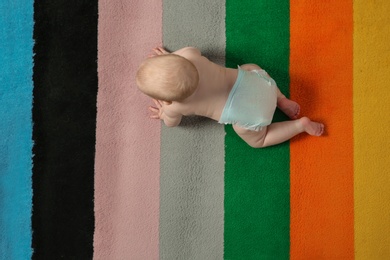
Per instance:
x=85, y=174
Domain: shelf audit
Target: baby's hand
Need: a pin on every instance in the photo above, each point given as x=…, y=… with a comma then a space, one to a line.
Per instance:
x=157, y=111
x=158, y=51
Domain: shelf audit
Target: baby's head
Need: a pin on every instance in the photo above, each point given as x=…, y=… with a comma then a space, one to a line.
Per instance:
x=167, y=77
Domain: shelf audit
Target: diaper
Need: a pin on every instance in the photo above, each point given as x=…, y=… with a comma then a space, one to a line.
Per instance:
x=252, y=101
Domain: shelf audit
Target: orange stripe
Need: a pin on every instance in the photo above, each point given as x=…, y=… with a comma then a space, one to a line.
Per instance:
x=322, y=168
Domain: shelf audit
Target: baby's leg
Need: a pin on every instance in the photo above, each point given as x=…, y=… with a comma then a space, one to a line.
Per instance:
x=289, y=107
x=277, y=133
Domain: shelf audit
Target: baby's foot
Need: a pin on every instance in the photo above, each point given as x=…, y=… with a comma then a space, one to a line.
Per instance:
x=312, y=128
x=289, y=107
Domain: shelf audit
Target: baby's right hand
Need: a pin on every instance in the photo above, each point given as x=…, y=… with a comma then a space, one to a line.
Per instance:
x=158, y=51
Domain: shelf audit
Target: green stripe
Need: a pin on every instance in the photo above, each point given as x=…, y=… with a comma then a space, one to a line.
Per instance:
x=257, y=182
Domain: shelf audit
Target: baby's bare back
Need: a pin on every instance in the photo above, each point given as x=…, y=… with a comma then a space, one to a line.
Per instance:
x=215, y=83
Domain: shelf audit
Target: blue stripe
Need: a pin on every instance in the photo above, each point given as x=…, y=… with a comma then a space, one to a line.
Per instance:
x=16, y=54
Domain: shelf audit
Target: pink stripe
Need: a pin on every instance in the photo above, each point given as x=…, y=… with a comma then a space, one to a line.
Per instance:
x=127, y=166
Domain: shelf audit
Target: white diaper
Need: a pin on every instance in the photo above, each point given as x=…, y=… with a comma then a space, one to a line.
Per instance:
x=252, y=101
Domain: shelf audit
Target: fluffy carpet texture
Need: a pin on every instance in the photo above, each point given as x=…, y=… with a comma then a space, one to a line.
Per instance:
x=84, y=173
x=16, y=58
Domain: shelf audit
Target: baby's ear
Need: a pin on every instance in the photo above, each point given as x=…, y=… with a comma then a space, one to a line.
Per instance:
x=167, y=103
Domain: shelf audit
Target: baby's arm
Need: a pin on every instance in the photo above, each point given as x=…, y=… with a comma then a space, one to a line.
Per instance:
x=188, y=52
x=172, y=122
x=171, y=119
x=161, y=111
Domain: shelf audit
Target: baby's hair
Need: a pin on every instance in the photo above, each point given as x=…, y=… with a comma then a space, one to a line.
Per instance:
x=168, y=77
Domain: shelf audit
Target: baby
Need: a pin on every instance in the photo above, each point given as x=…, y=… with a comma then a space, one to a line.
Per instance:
x=186, y=83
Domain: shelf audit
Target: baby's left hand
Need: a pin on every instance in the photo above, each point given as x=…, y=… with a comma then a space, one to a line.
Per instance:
x=157, y=111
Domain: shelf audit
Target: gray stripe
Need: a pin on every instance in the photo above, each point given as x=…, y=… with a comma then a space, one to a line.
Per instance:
x=192, y=155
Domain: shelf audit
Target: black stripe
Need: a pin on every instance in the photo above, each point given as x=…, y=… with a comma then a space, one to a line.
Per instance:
x=64, y=115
